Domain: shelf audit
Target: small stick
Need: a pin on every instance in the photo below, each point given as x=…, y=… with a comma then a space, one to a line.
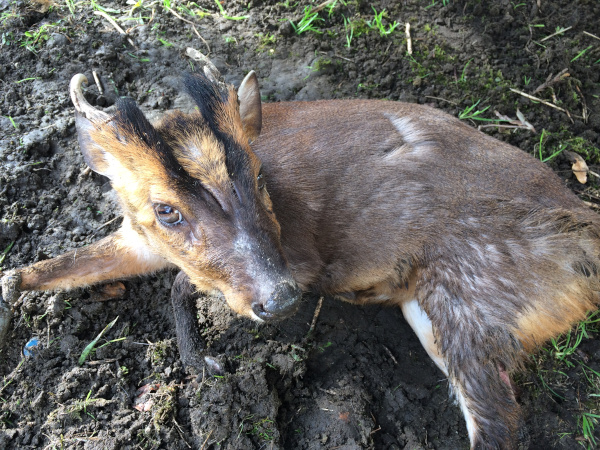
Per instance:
x=584, y=109
x=531, y=97
x=114, y=24
x=323, y=5
x=108, y=223
x=192, y=24
x=181, y=433
x=110, y=20
x=442, y=99
x=408, y=39
x=550, y=81
x=561, y=31
x=316, y=315
x=97, y=80
x=337, y=56
x=591, y=35
x=522, y=127
x=206, y=440
x=389, y=352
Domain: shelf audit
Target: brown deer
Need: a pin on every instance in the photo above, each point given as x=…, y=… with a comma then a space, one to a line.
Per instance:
x=481, y=245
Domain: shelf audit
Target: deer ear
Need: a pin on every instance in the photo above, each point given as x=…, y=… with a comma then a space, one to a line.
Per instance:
x=88, y=120
x=93, y=154
x=250, y=106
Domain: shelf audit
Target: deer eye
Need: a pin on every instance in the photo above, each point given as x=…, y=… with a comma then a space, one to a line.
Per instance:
x=167, y=215
x=260, y=180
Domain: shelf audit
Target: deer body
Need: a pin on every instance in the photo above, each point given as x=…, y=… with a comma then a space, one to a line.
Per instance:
x=483, y=248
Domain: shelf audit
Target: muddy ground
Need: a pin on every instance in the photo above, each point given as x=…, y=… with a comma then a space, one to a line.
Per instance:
x=361, y=379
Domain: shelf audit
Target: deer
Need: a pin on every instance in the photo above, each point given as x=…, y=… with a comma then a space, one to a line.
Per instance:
x=485, y=250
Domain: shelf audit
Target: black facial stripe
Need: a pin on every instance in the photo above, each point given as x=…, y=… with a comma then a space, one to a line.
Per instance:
x=206, y=95
x=209, y=100
x=131, y=118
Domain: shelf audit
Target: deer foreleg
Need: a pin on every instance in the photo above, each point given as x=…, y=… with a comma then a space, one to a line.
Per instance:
x=122, y=254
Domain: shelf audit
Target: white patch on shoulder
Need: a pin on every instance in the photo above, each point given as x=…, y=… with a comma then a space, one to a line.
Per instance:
x=416, y=140
x=421, y=325
x=408, y=129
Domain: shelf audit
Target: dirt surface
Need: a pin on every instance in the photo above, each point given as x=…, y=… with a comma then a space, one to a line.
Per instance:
x=360, y=380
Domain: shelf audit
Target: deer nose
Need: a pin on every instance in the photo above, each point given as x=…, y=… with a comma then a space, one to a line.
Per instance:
x=282, y=303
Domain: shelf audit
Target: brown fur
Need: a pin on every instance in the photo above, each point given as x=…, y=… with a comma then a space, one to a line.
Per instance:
x=373, y=202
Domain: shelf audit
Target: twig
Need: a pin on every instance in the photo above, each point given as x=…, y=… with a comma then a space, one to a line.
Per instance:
x=550, y=81
x=531, y=97
x=114, y=24
x=390, y=354
x=442, y=99
x=107, y=223
x=561, y=31
x=181, y=433
x=584, y=109
x=97, y=80
x=111, y=21
x=337, y=56
x=206, y=440
x=193, y=26
x=322, y=5
x=497, y=125
x=408, y=39
x=591, y=35
x=316, y=315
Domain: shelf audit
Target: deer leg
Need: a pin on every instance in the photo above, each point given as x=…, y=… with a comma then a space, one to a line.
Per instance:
x=482, y=389
x=189, y=341
x=421, y=324
x=122, y=254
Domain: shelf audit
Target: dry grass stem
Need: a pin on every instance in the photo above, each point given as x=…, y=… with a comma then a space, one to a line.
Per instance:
x=193, y=26
x=408, y=39
x=552, y=80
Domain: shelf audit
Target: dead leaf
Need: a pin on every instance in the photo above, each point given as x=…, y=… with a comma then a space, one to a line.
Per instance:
x=143, y=401
x=579, y=167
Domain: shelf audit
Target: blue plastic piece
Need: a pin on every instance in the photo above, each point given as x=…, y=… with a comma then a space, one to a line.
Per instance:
x=31, y=347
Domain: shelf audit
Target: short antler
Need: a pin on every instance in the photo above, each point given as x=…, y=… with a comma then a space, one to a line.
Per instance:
x=211, y=72
x=81, y=104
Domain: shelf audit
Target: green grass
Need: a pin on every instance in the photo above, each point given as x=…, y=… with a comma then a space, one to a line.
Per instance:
x=88, y=349
x=224, y=14
x=563, y=355
x=377, y=23
x=308, y=21
x=6, y=250
x=474, y=114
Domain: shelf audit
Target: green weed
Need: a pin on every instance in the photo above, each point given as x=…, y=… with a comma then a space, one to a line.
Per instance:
x=470, y=113
x=35, y=38
x=349, y=27
x=377, y=23
x=308, y=21
x=541, y=150
x=586, y=423
x=224, y=14
x=581, y=53
x=7, y=249
x=88, y=349
x=463, y=75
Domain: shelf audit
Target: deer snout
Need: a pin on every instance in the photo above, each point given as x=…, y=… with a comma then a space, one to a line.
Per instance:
x=282, y=303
